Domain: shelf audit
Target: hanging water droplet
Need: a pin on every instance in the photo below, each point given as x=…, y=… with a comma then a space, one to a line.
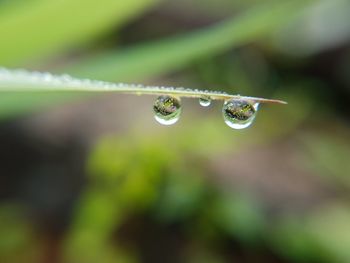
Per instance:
x=205, y=101
x=167, y=109
x=239, y=114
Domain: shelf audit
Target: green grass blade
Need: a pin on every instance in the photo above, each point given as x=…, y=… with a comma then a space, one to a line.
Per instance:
x=165, y=56
x=33, y=30
x=26, y=81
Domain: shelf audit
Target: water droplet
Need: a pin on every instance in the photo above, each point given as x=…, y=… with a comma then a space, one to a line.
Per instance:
x=205, y=101
x=239, y=114
x=167, y=109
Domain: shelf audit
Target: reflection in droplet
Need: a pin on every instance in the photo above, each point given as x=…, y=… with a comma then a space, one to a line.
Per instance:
x=239, y=114
x=167, y=110
x=205, y=101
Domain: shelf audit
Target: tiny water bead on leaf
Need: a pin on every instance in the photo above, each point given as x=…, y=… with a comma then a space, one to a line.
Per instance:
x=239, y=114
x=205, y=101
x=167, y=109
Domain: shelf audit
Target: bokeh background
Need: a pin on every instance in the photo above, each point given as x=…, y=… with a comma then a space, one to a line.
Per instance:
x=88, y=178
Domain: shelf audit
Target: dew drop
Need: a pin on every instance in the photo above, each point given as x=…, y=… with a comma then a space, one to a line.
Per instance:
x=239, y=114
x=205, y=101
x=167, y=110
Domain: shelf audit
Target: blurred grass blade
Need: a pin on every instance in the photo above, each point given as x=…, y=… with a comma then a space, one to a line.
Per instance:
x=158, y=58
x=39, y=29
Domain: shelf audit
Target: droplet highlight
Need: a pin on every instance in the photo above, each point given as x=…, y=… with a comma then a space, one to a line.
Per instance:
x=239, y=114
x=205, y=101
x=167, y=109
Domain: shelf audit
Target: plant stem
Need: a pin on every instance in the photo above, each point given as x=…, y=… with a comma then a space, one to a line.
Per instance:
x=26, y=81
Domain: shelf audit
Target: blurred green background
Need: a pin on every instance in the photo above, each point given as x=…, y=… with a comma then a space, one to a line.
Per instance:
x=96, y=179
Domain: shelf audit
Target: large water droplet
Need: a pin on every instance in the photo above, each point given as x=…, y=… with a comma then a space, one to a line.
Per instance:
x=239, y=114
x=205, y=101
x=167, y=109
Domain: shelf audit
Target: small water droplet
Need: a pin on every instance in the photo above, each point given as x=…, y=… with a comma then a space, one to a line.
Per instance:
x=167, y=110
x=239, y=114
x=205, y=101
